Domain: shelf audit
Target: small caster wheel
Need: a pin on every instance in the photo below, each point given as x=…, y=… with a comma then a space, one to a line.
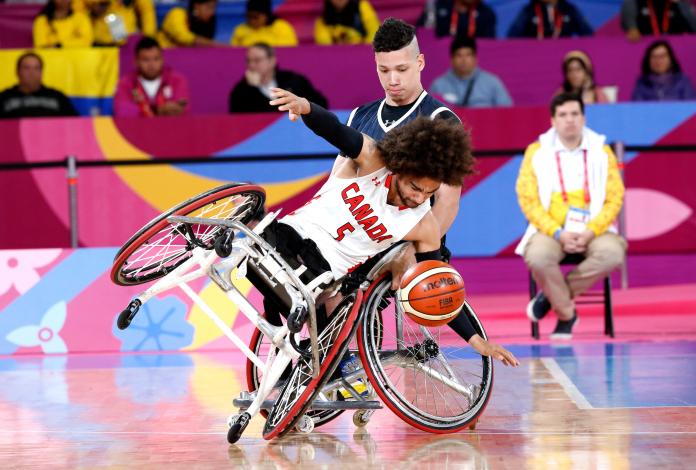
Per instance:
x=472, y=426
x=223, y=244
x=362, y=417
x=126, y=316
x=305, y=425
x=237, y=425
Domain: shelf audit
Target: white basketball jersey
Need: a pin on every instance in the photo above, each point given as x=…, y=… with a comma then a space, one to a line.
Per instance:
x=350, y=220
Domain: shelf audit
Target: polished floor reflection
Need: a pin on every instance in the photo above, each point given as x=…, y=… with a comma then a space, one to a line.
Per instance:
x=591, y=405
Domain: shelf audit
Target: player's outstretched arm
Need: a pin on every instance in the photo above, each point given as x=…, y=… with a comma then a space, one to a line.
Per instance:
x=326, y=125
x=496, y=351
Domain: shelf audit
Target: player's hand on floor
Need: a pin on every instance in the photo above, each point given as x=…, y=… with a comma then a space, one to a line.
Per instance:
x=496, y=351
x=293, y=104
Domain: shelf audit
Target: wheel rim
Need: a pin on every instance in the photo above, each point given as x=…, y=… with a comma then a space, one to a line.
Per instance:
x=163, y=246
x=301, y=388
x=261, y=347
x=408, y=381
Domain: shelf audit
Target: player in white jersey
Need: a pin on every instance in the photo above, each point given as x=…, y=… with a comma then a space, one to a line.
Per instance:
x=378, y=196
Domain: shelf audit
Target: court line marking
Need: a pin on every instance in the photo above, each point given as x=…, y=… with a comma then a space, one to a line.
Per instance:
x=564, y=381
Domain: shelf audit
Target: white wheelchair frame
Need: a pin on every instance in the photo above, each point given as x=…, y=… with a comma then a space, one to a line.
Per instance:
x=276, y=271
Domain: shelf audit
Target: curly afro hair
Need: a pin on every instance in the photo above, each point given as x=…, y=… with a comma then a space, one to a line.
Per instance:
x=436, y=148
x=393, y=35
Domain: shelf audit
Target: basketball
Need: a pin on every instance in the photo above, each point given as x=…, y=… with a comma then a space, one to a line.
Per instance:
x=431, y=293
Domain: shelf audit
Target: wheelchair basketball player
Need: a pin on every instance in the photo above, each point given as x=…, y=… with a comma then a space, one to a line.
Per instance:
x=374, y=199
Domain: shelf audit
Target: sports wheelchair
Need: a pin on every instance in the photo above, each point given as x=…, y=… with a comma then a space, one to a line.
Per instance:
x=293, y=372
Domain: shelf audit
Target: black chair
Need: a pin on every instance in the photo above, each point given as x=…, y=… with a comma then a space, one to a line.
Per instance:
x=589, y=297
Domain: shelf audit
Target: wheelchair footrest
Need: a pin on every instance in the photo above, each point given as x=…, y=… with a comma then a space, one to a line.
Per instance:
x=243, y=404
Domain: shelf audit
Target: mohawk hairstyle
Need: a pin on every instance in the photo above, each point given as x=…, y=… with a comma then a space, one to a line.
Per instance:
x=435, y=148
x=393, y=35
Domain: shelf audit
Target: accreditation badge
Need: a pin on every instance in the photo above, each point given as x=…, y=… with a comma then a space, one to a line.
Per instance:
x=576, y=220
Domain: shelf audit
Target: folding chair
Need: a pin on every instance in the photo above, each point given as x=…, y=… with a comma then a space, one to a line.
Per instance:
x=589, y=297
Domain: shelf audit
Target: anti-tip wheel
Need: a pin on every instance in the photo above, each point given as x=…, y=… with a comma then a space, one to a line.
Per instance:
x=361, y=418
x=237, y=426
x=305, y=425
x=127, y=315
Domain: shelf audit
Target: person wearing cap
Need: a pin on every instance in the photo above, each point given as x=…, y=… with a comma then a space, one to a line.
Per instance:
x=194, y=26
x=578, y=78
x=262, y=26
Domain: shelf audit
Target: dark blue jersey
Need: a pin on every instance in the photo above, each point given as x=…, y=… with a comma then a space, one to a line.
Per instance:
x=377, y=118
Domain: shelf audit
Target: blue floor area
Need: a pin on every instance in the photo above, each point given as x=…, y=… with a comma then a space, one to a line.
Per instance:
x=607, y=375
x=626, y=375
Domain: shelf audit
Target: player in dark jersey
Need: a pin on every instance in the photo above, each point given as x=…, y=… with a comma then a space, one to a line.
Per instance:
x=399, y=65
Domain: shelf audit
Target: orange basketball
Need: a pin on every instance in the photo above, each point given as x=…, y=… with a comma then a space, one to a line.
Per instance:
x=432, y=293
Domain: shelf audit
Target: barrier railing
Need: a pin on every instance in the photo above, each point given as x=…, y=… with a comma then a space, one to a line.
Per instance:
x=72, y=163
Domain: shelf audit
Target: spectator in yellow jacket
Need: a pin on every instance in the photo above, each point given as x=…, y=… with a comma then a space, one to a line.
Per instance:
x=346, y=22
x=262, y=26
x=114, y=20
x=194, y=26
x=570, y=190
x=57, y=25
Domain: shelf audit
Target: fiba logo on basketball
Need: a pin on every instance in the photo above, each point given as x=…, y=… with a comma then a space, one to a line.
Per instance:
x=431, y=293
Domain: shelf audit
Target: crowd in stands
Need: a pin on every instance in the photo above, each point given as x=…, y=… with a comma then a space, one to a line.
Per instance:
x=157, y=90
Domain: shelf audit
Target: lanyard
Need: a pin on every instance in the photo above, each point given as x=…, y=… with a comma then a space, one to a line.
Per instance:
x=454, y=23
x=557, y=22
x=653, y=18
x=143, y=100
x=586, y=183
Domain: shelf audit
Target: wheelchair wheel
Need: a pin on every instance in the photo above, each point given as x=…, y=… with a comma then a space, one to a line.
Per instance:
x=428, y=383
x=301, y=388
x=261, y=346
x=159, y=246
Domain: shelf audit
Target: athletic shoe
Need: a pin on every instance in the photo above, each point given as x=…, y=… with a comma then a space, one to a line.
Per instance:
x=538, y=307
x=564, y=328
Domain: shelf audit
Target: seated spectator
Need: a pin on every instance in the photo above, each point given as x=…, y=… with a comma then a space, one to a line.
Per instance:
x=253, y=92
x=549, y=19
x=465, y=84
x=30, y=98
x=262, y=26
x=656, y=17
x=57, y=25
x=568, y=212
x=578, y=78
x=662, y=78
x=194, y=26
x=152, y=89
x=346, y=22
x=468, y=18
x=114, y=20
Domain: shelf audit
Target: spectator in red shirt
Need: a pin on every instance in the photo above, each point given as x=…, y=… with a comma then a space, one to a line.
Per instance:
x=152, y=89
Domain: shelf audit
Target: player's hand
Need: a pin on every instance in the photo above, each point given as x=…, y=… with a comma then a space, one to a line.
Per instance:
x=399, y=265
x=496, y=351
x=293, y=104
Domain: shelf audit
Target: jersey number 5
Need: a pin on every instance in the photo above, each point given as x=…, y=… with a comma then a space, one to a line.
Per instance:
x=347, y=227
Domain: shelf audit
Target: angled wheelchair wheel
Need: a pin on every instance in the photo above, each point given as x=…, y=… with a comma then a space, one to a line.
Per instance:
x=159, y=246
x=301, y=388
x=429, y=377
x=261, y=346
